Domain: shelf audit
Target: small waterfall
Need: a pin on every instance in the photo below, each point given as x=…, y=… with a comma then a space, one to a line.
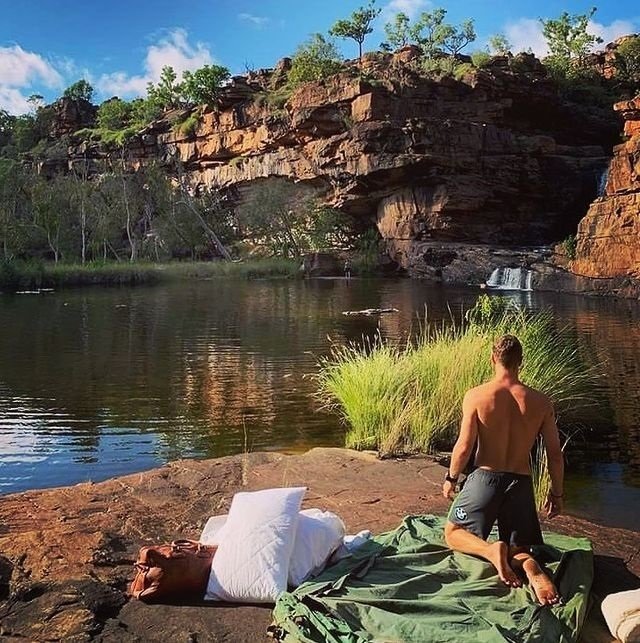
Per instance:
x=511, y=279
x=602, y=181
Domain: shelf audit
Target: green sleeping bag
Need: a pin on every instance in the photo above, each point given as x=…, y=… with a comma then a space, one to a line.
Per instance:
x=407, y=585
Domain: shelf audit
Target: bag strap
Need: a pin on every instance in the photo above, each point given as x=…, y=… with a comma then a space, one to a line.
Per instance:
x=184, y=544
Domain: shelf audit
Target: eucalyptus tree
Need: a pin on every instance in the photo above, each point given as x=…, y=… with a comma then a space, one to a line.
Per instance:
x=358, y=26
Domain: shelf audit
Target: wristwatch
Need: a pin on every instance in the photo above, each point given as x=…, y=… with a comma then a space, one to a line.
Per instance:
x=450, y=479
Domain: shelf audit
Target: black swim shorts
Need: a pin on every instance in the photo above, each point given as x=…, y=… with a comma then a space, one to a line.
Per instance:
x=488, y=496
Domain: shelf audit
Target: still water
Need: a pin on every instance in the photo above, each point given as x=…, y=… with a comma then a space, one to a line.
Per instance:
x=102, y=382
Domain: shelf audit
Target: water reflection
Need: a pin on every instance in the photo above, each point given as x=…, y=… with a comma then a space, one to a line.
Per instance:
x=96, y=383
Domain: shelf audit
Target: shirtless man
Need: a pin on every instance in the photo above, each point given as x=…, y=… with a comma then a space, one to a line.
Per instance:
x=506, y=417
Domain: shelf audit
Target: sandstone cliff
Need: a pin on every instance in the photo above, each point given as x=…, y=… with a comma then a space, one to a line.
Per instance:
x=496, y=158
x=608, y=240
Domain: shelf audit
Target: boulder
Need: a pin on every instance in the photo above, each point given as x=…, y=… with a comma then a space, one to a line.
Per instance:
x=322, y=264
x=70, y=115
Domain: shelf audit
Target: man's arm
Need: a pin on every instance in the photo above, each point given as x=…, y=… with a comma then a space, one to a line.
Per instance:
x=555, y=462
x=464, y=444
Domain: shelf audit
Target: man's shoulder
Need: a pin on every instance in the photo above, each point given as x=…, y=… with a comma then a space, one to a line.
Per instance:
x=478, y=392
x=540, y=398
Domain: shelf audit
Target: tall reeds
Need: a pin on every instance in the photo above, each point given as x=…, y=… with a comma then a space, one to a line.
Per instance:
x=409, y=399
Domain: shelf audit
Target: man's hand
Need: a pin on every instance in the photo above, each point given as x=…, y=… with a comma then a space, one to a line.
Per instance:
x=554, y=505
x=448, y=490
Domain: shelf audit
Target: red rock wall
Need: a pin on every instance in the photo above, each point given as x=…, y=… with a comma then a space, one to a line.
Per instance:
x=609, y=235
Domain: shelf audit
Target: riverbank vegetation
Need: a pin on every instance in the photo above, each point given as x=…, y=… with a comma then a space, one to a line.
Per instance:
x=408, y=399
x=32, y=275
x=121, y=218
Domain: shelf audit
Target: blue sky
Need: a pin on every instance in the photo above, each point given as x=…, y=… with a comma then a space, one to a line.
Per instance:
x=119, y=46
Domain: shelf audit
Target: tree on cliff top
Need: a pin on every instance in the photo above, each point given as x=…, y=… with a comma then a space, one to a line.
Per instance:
x=430, y=32
x=455, y=39
x=202, y=86
x=114, y=114
x=6, y=127
x=358, y=27
x=80, y=90
x=315, y=59
x=627, y=62
x=398, y=32
x=499, y=45
x=167, y=92
x=568, y=37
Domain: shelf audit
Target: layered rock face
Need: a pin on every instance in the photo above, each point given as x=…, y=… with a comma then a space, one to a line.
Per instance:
x=72, y=115
x=608, y=240
x=495, y=158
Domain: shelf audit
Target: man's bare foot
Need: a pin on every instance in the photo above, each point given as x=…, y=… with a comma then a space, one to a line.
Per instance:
x=545, y=590
x=497, y=554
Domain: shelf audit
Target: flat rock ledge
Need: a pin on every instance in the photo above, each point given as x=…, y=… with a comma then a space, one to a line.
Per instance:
x=66, y=554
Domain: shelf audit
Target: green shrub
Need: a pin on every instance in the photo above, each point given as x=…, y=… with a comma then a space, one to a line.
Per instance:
x=114, y=114
x=186, y=126
x=446, y=66
x=367, y=253
x=570, y=246
x=462, y=70
x=314, y=60
x=481, y=59
x=274, y=100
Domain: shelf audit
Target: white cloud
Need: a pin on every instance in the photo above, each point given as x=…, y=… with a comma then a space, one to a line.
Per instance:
x=258, y=21
x=19, y=71
x=173, y=50
x=409, y=7
x=19, y=68
x=609, y=33
x=13, y=101
x=526, y=33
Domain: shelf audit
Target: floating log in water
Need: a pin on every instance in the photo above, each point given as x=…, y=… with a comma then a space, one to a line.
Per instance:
x=370, y=311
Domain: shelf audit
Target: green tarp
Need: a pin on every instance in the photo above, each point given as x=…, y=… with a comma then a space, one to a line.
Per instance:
x=406, y=585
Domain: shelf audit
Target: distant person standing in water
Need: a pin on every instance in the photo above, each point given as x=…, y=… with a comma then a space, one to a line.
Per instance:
x=505, y=417
x=347, y=268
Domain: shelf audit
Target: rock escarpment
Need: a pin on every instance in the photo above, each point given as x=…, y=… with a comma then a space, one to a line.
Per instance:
x=495, y=159
x=608, y=240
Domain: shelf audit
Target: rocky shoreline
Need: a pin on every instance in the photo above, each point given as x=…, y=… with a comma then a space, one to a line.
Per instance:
x=66, y=553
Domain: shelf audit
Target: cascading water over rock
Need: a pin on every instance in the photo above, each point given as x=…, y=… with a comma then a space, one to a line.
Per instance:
x=511, y=279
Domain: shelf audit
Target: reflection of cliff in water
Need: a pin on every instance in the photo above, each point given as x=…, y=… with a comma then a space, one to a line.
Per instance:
x=195, y=367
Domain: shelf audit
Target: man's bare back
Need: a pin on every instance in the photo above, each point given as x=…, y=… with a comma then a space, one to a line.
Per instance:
x=509, y=416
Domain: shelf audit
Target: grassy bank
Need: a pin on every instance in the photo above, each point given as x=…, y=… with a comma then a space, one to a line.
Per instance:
x=409, y=399
x=17, y=275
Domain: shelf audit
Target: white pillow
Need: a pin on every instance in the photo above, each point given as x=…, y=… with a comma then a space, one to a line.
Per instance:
x=319, y=534
x=252, y=560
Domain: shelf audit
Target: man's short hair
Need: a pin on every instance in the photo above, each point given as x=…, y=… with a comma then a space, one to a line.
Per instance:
x=507, y=350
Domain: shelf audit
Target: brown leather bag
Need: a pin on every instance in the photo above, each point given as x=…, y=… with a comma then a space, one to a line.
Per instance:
x=174, y=572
